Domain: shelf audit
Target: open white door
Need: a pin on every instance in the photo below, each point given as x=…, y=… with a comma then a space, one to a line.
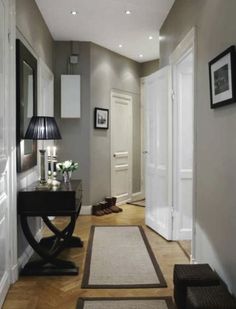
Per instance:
x=158, y=116
x=4, y=153
x=121, y=146
x=183, y=79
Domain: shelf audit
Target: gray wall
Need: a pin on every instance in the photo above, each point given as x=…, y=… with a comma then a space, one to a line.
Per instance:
x=149, y=67
x=30, y=23
x=75, y=132
x=101, y=71
x=111, y=71
x=215, y=131
x=33, y=32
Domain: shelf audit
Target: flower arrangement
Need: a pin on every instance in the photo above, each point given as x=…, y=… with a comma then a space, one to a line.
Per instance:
x=67, y=166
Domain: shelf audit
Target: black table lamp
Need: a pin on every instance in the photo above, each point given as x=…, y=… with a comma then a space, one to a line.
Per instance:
x=42, y=128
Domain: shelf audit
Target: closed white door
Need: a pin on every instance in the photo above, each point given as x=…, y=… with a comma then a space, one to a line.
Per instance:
x=4, y=154
x=158, y=118
x=183, y=146
x=121, y=146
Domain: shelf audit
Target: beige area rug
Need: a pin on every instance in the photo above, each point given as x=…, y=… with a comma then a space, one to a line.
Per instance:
x=126, y=303
x=140, y=203
x=120, y=257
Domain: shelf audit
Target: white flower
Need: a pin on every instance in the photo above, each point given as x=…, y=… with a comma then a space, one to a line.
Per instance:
x=67, y=164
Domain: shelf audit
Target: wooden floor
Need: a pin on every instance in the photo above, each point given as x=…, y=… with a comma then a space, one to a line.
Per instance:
x=63, y=292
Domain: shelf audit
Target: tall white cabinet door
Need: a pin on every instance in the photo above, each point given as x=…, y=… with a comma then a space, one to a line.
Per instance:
x=158, y=116
x=121, y=146
x=4, y=153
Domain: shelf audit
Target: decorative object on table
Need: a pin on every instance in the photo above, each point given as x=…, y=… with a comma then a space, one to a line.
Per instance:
x=101, y=118
x=26, y=106
x=43, y=128
x=52, y=170
x=222, y=71
x=66, y=168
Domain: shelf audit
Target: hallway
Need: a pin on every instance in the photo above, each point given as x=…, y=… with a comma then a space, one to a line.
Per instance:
x=63, y=292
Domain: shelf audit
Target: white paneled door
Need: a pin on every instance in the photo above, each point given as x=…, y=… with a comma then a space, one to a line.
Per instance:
x=4, y=153
x=121, y=146
x=158, y=123
x=183, y=146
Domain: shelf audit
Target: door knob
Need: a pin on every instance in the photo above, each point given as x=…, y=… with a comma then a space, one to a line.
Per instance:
x=145, y=152
x=114, y=155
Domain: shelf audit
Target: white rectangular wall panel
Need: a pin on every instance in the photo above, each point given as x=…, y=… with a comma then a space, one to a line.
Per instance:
x=70, y=96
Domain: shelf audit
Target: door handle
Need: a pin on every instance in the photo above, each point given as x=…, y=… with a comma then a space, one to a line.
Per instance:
x=114, y=155
x=145, y=152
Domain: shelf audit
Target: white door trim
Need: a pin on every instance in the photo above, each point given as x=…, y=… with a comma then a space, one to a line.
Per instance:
x=186, y=45
x=120, y=94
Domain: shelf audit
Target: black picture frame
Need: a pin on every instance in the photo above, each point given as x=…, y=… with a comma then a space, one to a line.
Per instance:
x=101, y=118
x=26, y=105
x=222, y=76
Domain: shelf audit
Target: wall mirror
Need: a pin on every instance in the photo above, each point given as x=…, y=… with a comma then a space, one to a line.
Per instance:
x=26, y=105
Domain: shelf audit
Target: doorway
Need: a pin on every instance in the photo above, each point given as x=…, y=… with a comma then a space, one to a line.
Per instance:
x=169, y=110
x=121, y=146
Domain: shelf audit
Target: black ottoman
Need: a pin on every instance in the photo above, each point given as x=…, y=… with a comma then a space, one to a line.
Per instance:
x=210, y=297
x=191, y=275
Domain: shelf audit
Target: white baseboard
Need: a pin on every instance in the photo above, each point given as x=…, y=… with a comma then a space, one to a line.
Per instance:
x=86, y=210
x=26, y=255
x=137, y=196
x=192, y=260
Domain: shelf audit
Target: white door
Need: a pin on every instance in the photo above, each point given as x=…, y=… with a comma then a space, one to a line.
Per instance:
x=121, y=146
x=158, y=116
x=4, y=153
x=183, y=146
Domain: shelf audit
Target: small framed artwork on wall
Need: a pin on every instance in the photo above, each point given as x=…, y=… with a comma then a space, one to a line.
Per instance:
x=101, y=118
x=223, y=78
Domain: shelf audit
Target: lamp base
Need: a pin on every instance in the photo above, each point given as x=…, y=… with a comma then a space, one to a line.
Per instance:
x=42, y=186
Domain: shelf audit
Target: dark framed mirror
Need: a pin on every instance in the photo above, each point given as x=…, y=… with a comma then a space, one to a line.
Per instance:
x=26, y=105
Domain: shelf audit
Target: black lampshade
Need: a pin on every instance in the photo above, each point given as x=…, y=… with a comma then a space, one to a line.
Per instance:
x=42, y=128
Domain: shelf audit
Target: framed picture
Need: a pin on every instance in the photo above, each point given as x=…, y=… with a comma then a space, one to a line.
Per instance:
x=223, y=78
x=101, y=118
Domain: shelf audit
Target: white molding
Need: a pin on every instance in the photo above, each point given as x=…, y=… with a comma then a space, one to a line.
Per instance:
x=14, y=273
x=85, y=210
x=137, y=196
x=26, y=255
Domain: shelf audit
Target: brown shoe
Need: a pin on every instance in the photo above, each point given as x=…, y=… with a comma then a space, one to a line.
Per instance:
x=97, y=210
x=114, y=203
x=113, y=208
x=105, y=207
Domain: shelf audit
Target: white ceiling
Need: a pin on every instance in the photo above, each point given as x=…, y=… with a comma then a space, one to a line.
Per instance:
x=105, y=23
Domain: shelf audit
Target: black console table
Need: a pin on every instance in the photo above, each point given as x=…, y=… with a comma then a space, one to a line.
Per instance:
x=63, y=201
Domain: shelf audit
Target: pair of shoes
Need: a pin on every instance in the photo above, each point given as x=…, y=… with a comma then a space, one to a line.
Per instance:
x=112, y=204
x=101, y=209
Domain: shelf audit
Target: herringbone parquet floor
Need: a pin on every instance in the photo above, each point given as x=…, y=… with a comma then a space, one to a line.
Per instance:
x=63, y=292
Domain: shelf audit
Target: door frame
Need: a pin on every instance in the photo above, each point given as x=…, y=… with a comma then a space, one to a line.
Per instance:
x=12, y=263
x=188, y=44
x=123, y=95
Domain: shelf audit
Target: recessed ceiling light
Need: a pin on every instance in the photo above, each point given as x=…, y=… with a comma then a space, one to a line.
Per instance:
x=127, y=12
x=74, y=12
x=150, y=37
x=141, y=56
x=120, y=45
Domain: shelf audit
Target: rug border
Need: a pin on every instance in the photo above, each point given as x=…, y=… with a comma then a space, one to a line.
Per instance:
x=168, y=299
x=86, y=285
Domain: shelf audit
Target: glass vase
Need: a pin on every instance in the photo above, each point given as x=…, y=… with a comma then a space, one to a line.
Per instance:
x=67, y=176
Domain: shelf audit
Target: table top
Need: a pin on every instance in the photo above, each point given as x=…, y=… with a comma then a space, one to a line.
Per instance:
x=62, y=201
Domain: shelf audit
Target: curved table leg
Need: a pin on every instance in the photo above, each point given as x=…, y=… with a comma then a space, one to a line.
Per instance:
x=74, y=242
x=49, y=264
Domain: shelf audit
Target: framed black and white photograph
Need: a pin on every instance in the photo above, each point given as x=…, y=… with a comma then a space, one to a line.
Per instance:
x=223, y=78
x=101, y=118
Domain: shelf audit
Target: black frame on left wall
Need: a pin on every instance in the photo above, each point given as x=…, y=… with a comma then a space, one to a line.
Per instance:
x=24, y=57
